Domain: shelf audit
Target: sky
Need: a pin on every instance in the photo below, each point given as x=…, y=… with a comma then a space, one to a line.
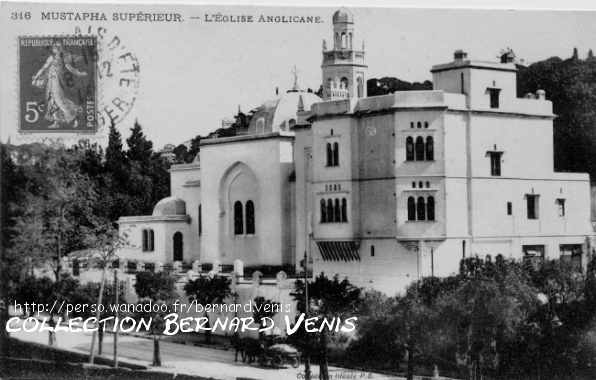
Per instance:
x=193, y=74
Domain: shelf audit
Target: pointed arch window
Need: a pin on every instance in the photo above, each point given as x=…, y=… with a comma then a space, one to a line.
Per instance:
x=344, y=210
x=409, y=149
x=250, y=217
x=238, y=219
x=421, y=209
x=344, y=83
x=323, y=211
x=329, y=155
x=411, y=209
x=419, y=148
x=430, y=149
x=430, y=208
x=329, y=211
x=337, y=212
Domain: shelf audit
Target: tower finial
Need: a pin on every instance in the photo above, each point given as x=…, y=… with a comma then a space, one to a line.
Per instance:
x=295, y=73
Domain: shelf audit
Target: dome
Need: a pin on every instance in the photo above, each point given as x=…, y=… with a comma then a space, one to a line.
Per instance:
x=170, y=206
x=343, y=15
x=280, y=113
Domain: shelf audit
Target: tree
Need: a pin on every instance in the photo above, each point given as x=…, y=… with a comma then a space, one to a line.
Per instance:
x=140, y=149
x=88, y=294
x=104, y=241
x=157, y=288
x=328, y=298
x=211, y=289
x=58, y=207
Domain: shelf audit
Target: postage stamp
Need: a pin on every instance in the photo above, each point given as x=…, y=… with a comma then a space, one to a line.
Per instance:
x=58, y=84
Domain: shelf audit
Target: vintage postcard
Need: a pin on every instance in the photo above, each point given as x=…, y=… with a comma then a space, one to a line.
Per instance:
x=260, y=192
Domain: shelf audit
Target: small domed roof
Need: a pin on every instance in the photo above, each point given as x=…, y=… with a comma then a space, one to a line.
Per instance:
x=170, y=206
x=278, y=114
x=343, y=15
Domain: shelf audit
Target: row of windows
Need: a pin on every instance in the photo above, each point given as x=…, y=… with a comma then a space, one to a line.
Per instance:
x=421, y=209
x=334, y=187
x=148, y=240
x=420, y=185
x=419, y=124
x=344, y=40
x=148, y=245
x=240, y=221
x=420, y=150
x=532, y=206
x=569, y=253
x=333, y=154
x=332, y=211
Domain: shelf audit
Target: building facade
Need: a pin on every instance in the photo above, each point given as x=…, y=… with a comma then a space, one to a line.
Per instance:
x=381, y=189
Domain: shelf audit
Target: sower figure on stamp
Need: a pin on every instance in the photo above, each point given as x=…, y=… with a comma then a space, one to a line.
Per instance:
x=59, y=108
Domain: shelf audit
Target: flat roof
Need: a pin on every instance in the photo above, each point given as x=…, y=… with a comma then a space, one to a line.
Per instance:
x=482, y=65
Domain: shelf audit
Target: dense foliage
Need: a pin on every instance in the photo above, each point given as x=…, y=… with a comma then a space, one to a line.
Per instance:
x=495, y=319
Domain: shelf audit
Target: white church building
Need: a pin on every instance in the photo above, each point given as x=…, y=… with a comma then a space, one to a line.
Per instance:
x=380, y=189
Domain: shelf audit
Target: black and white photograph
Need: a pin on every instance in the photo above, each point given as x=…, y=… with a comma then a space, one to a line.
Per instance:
x=261, y=192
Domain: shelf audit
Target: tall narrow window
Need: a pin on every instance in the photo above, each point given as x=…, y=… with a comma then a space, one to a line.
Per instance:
x=344, y=210
x=178, y=246
x=494, y=97
x=411, y=209
x=335, y=154
x=323, y=211
x=337, y=212
x=200, y=221
x=561, y=207
x=250, y=217
x=532, y=206
x=430, y=149
x=151, y=241
x=495, y=163
x=145, y=240
x=461, y=83
x=419, y=148
x=509, y=208
x=421, y=209
x=329, y=155
x=372, y=251
x=360, y=87
x=409, y=149
x=430, y=208
x=238, y=219
x=329, y=211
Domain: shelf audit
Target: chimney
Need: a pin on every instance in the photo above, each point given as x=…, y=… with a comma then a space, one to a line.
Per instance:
x=507, y=57
x=459, y=55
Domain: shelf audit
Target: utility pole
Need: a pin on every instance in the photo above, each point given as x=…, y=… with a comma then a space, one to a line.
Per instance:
x=307, y=356
x=116, y=296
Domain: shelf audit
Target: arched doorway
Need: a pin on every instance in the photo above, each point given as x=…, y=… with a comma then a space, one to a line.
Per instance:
x=178, y=246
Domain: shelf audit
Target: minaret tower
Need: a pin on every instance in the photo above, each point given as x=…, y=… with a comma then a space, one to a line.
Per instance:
x=344, y=70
